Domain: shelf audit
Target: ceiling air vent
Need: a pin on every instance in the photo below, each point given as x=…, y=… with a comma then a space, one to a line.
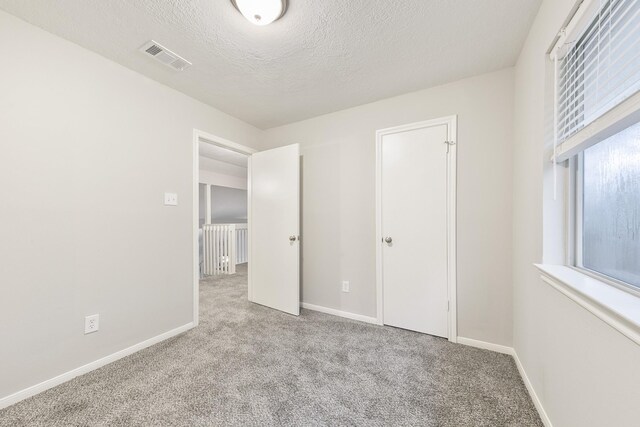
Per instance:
x=165, y=56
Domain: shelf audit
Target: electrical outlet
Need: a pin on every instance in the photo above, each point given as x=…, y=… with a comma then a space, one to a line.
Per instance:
x=170, y=199
x=91, y=323
x=345, y=286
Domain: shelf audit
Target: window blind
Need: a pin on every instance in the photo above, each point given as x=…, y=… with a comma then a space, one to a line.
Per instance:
x=597, y=69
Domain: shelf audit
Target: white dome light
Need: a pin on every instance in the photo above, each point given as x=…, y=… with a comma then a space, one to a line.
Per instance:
x=261, y=12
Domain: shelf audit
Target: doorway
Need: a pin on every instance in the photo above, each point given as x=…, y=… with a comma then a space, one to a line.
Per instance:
x=415, y=221
x=273, y=229
x=223, y=213
x=220, y=197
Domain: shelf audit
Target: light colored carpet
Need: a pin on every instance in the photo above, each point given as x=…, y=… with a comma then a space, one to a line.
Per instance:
x=247, y=365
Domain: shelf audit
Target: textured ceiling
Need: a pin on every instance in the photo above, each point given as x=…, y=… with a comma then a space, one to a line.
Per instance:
x=322, y=56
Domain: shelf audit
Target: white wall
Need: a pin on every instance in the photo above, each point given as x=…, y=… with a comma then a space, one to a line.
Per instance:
x=584, y=372
x=214, y=178
x=215, y=172
x=83, y=228
x=339, y=199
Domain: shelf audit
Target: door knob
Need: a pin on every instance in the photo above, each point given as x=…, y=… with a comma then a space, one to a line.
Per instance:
x=292, y=238
x=388, y=240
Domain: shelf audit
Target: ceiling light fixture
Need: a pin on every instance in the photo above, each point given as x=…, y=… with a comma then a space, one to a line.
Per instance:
x=261, y=12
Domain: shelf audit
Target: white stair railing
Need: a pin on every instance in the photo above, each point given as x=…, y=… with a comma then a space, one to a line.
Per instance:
x=242, y=243
x=219, y=249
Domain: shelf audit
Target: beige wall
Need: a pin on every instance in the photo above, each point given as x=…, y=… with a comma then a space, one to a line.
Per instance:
x=87, y=149
x=339, y=199
x=584, y=372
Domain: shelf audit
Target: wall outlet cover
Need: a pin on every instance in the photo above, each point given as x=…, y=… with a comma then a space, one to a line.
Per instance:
x=91, y=323
x=345, y=286
x=170, y=199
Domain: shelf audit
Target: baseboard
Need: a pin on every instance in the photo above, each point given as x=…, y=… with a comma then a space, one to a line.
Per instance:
x=523, y=374
x=536, y=401
x=486, y=345
x=334, y=312
x=62, y=378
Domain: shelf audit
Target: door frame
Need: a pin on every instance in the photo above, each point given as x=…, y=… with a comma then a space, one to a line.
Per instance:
x=452, y=123
x=198, y=137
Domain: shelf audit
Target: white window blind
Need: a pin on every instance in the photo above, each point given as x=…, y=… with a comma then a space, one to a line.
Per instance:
x=597, y=70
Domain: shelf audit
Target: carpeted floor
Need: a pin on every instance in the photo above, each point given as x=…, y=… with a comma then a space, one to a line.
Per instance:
x=247, y=365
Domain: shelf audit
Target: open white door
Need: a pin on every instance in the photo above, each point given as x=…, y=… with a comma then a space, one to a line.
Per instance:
x=274, y=224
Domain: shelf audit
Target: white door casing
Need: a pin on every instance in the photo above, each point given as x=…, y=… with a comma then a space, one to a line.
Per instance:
x=274, y=224
x=415, y=201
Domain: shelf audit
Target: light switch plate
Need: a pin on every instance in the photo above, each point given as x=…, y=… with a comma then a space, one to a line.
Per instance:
x=170, y=199
x=346, y=286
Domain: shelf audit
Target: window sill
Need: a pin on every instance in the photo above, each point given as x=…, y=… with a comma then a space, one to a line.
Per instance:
x=619, y=309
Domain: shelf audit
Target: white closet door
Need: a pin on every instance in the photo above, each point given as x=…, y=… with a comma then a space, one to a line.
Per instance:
x=414, y=229
x=274, y=224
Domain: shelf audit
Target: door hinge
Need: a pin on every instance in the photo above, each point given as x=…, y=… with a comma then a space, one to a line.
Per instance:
x=449, y=144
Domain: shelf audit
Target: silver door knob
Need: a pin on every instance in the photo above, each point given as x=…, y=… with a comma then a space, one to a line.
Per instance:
x=388, y=239
x=292, y=238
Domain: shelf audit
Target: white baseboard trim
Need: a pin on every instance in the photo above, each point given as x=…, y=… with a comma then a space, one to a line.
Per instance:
x=536, y=401
x=523, y=374
x=62, y=378
x=486, y=345
x=334, y=312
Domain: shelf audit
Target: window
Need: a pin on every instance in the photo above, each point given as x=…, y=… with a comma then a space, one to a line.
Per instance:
x=597, y=128
x=610, y=207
